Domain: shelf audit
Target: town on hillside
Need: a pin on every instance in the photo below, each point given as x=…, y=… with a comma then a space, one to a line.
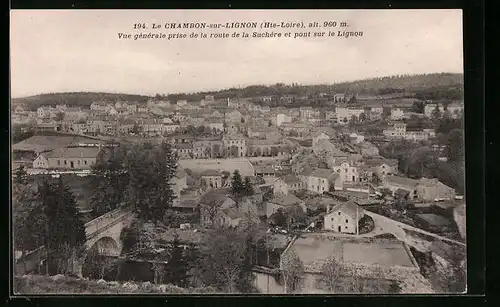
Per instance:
x=329, y=192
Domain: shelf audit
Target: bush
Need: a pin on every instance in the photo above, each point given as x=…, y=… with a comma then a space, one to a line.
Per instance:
x=366, y=224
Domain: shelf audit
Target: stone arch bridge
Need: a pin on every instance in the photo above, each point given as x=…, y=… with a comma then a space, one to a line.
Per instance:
x=103, y=233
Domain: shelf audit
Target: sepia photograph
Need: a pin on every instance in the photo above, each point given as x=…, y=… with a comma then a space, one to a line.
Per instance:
x=255, y=152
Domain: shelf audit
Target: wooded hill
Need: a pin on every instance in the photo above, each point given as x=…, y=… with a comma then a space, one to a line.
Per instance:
x=435, y=86
x=83, y=99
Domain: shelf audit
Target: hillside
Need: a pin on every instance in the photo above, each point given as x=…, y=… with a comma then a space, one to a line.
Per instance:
x=83, y=99
x=426, y=86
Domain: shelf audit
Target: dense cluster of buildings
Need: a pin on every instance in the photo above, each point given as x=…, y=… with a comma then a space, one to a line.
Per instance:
x=283, y=150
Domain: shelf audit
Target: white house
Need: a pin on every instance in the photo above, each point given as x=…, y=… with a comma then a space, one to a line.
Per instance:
x=343, y=218
x=347, y=171
x=282, y=118
x=397, y=114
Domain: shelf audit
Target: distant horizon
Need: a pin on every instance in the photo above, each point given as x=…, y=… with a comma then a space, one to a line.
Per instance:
x=232, y=87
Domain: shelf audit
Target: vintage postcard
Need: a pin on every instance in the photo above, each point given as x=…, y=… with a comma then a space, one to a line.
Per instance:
x=237, y=152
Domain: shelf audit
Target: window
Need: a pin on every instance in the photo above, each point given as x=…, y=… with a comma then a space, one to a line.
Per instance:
x=85, y=162
x=65, y=162
x=332, y=219
x=339, y=212
x=347, y=221
x=58, y=162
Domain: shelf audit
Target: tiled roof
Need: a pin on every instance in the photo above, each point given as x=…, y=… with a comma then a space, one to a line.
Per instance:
x=211, y=172
x=401, y=181
x=286, y=200
x=74, y=152
x=349, y=208
x=291, y=179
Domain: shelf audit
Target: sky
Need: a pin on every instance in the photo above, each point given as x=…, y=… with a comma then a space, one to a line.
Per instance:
x=72, y=51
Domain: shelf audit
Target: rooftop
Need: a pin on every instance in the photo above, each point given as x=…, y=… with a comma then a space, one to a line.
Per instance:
x=401, y=181
x=314, y=249
x=74, y=152
x=286, y=200
x=230, y=165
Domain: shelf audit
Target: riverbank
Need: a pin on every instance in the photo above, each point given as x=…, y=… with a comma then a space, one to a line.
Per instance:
x=60, y=284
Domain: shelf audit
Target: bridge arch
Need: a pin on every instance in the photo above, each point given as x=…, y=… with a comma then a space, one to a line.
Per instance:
x=106, y=246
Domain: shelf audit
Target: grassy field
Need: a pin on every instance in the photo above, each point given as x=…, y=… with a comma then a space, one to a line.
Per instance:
x=37, y=284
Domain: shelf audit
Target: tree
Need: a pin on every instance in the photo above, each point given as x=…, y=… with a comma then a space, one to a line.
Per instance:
x=353, y=100
x=237, y=186
x=110, y=180
x=362, y=117
x=247, y=187
x=242, y=120
x=278, y=218
x=28, y=218
x=270, y=123
x=151, y=169
x=64, y=237
x=295, y=216
x=418, y=106
x=59, y=116
x=293, y=272
x=221, y=260
x=177, y=267
x=331, y=274
x=455, y=145
x=436, y=113
x=21, y=175
x=97, y=266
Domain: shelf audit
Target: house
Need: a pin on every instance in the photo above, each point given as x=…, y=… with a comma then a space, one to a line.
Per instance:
x=181, y=102
x=345, y=114
x=383, y=167
x=295, y=129
x=455, y=110
x=209, y=98
x=260, y=132
x=78, y=158
x=308, y=112
x=125, y=127
x=212, y=178
x=284, y=202
x=433, y=189
x=99, y=106
x=320, y=180
x=179, y=183
x=319, y=136
x=169, y=128
x=327, y=149
x=430, y=108
x=286, y=184
x=184, y=150
x=234, y=116
x=398, y=130
x=46, y=112
x=368, y=149
x=235, y=145
x=347, y=171
x=215, y=125
x=263, y=148
x=394, y=183
x=397, y=114
x=266, y=171
x=216, y=208
x=343, y=218
x=21, y=109
x=282, y=118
